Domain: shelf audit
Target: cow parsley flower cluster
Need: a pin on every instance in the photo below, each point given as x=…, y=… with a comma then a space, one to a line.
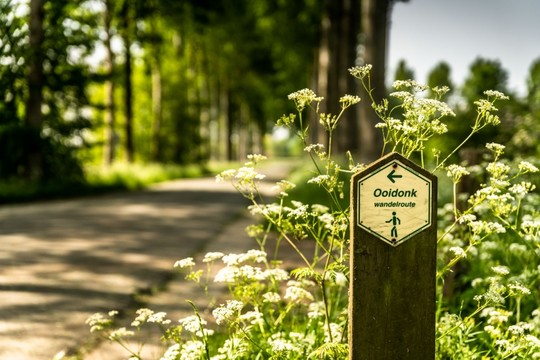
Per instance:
x=261, y=306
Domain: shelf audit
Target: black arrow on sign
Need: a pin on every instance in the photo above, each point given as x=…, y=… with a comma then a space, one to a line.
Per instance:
x=392, y=176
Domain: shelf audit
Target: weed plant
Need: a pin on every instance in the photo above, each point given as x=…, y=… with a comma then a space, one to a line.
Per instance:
x=488, y=250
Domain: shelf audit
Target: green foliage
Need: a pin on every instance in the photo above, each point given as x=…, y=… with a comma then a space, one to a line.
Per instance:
x=483, y=75
x=440, y=76
x=403, y=72
x=137, y=176
x=68, y=37
x=13, y=41
x=98, y=180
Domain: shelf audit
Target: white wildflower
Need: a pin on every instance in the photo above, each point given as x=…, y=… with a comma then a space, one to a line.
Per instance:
x=522, y=189
x=500, y=270
x=248, y=272
x=477, y=282
x=498, y=169
x=255, y=159
x=252, y=317
x=516, y=330
x=280, y=345
x=297, y=294
x=276, y=274
x=159, y=318
x=271, y=297
x=228, y=275
x=233, y=348
x=496, y=94
x=98, y=322
x=212, y=256
x=466, y=218
x=248, y=174
x=226, y=175
x=495, y=147
x=303, y=98
x=224, y=313
x=184, y=263
x=192, y=350
x=316, y=310
x=456, y=172
x=518, y=248
x=335, y=333
x=360, y=72
x=530, y=226
x=519, y=289
x=142, y=316
x=204, y=333
x=341, y=279
x=300, y=210
x=348, y=100
x=526, y=166
x=283, y=186
x=319, y=180
x=172, y=353
x=409, y=84
x=231, y=259
x=192, y=323
x=496, y=227
x=314, y=147
x=120, y=334
x=257, y=256
x=491, y=330
x=497, y=316
x=319, y=209
x=458, y=252
x=532, y=340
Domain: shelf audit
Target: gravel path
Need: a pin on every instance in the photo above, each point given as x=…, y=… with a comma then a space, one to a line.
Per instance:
x=62, y=261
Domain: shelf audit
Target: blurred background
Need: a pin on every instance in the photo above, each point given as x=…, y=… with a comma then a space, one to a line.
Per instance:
x=88, y=86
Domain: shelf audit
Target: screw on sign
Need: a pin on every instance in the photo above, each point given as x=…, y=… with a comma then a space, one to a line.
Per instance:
x=393, y=254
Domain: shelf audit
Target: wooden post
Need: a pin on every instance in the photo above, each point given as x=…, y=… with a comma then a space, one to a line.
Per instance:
x=393, y=261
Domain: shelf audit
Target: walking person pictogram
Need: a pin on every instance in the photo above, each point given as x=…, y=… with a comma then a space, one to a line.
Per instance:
x=395, y=222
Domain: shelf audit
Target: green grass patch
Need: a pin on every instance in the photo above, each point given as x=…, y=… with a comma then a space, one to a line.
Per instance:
x=100, y=180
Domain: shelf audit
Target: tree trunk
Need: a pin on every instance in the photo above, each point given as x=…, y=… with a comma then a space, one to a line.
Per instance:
x=110, y=134
x=34, y=115
x=157, y=91
x=156, y=110
x=232, y=136
x=349, y=33
x=128, y=85
x=337, y=52
x=375, y=15
x=321, y=75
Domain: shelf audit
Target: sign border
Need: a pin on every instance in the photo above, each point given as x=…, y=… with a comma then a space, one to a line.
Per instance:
x=372, y=170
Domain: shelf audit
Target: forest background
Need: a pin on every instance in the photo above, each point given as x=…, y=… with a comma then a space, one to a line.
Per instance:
x=90, y=83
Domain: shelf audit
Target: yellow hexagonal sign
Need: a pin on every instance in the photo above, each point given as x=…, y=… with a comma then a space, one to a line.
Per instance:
x=394, y=199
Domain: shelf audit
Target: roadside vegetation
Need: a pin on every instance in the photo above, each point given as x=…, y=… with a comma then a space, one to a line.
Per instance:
x=101, y=180
x=488, y=257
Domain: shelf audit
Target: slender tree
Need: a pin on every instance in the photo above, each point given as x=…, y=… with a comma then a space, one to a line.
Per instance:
x=156, y=101
x=110, y=108
x=34, y=115
x=126, y=32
